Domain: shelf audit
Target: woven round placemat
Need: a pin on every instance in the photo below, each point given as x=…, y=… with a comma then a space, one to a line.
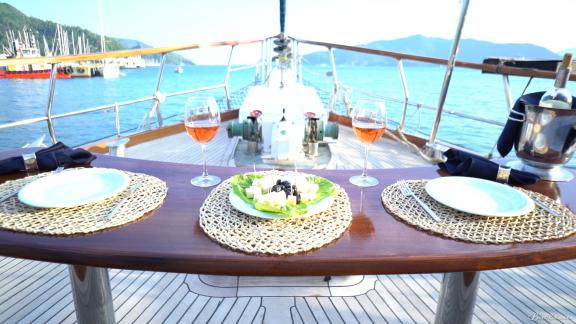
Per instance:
x=89, y=218
x=537, y=226
x=238, y=231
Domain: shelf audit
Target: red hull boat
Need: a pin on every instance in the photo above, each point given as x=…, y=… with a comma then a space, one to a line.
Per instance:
x=40, y=74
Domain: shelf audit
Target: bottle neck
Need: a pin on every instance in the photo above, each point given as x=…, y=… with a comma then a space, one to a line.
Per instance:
x=562, y=78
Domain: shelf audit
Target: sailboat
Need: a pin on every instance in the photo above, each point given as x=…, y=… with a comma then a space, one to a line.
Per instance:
x=179, y=69
x=110, y=69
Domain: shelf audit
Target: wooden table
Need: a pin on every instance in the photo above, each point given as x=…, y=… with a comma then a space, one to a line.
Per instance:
x=170, y=239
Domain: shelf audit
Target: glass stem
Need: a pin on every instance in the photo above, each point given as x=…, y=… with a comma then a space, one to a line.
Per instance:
x=205, y=171
x=365, y=160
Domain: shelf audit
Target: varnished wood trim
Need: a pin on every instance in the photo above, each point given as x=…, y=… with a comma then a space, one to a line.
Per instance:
x=488, y=68
x=229, y=115
x=123, y=53
x=340, y=119
x=101, y=146
x=347, y=121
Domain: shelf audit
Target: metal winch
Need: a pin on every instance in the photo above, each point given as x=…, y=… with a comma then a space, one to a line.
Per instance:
x=282, y=50
x=283, y=139
x=250, y=130
x=314, y=133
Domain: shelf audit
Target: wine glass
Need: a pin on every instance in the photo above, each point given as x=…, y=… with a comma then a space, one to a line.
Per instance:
x=368, y=123
x=202, y=120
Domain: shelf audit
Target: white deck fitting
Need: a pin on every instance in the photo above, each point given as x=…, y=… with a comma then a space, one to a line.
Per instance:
x=39, y=292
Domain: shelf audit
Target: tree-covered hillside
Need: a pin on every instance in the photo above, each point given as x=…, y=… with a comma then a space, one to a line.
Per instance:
x=470, y=51
x=12, y=19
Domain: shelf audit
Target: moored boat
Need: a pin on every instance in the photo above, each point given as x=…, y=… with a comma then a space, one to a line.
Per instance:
x=28, y=48
x=33, y=74
x=179, y=69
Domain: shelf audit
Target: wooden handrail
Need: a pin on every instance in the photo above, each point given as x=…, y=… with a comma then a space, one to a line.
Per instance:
x=122, y=53
x=486, y=68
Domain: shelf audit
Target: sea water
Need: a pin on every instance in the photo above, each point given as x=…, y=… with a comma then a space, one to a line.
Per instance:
x=471, y=92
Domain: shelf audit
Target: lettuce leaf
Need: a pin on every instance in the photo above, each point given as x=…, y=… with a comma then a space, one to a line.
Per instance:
x=242, y=181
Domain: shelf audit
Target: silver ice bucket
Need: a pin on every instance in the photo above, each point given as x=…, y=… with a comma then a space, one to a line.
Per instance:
x=547, y=141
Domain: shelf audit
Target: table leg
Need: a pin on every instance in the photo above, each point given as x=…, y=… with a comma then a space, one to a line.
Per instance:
x=92, y=294
x=457, y=298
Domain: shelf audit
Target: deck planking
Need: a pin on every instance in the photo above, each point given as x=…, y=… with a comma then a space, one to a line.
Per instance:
x=39, y=292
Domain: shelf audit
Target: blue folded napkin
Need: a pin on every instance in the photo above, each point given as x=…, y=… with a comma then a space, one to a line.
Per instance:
x=511, y=133
x=49, y=159
x=460, y=163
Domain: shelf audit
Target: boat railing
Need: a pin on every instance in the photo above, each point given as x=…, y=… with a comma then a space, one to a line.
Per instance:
x=157, y=98
x=263, y=69
x=405, y=100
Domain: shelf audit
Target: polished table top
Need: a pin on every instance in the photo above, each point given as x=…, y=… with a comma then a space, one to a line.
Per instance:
x=170, y=239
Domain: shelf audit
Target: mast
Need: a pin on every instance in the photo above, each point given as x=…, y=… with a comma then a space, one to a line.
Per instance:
x=74, y=52
x=282, y=15
x=100, y=15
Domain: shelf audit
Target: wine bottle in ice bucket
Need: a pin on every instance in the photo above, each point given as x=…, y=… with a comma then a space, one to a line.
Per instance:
x=559, y=97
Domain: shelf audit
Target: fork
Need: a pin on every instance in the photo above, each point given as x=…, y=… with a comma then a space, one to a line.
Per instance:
x=121, y=203
x=407, y=192
x=9, y=195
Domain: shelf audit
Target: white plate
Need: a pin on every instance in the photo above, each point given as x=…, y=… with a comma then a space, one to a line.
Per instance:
x=479, y=196
x=248, y=209
x=74, y=188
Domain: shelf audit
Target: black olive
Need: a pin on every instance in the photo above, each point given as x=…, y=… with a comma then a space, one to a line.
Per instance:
x=285, y=183
x=298, y=198
x=278, y=182
x=276, y=188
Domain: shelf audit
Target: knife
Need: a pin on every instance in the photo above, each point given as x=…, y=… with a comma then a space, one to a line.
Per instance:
x=121, y=203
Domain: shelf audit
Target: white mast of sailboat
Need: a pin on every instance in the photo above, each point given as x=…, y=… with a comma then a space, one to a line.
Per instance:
x=101, y=19
x=109, y=70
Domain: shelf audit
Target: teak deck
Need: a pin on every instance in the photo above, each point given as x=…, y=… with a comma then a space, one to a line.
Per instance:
x=36, y=291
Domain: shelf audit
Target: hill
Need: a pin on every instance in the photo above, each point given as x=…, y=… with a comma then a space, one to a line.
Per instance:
x=12, y=19
x=471, y=50
x=171, y=58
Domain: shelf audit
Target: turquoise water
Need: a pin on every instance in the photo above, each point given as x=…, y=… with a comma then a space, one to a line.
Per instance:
x=471, y=92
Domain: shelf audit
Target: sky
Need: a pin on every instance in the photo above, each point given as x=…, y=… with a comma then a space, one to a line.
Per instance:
x=547, y=23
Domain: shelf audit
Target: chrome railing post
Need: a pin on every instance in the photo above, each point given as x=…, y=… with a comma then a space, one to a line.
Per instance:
x=157, y=94
x=298, y=62
x=227, y=78
x=431, y=149
x=117, y=147
x=507, y=92
x=117, y=118
x=268, y=58
x=300, y=68
x=260, y=66
x=334, y=79
x=265, y=61
x=53, y=77
x=406, y=94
